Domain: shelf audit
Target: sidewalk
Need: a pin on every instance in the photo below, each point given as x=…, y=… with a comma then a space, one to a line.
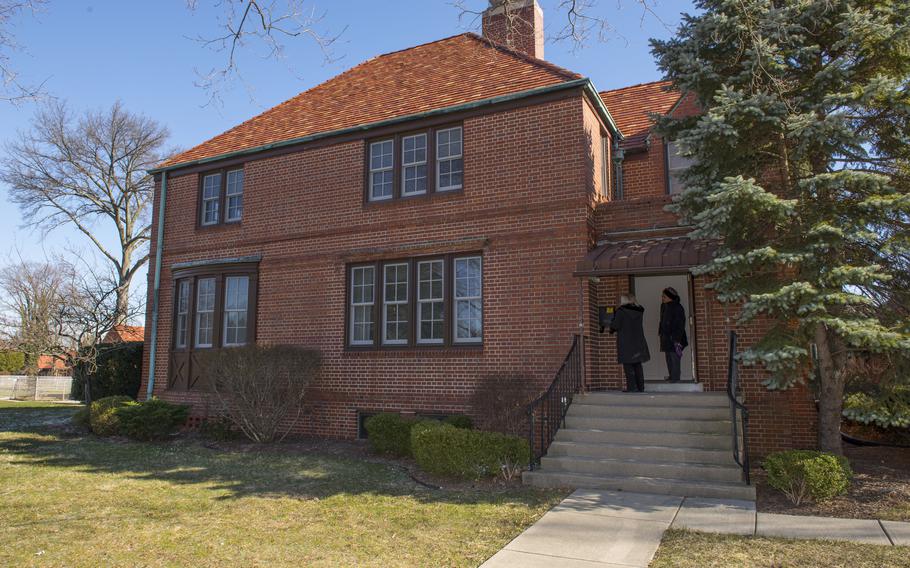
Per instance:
x=608, y=529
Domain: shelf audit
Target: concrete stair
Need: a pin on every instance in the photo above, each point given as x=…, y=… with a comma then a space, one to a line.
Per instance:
x=674, y=443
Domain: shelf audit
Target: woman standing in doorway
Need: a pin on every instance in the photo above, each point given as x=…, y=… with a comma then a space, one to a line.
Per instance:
x=672, y=330
x=631, y=346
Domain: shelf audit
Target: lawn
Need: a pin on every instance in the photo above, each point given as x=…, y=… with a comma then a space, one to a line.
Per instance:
x=685, y=549
x=77, y=500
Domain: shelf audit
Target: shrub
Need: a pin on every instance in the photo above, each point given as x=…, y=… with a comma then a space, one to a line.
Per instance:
x=390, y=433
x=82, y=418
x=103, y=417
x=442, y=449
x=261, y=388
x=220, y=429
x=807, y=474
x=11, y=362
x=118, y=372
x=502, y=403
x=153, y=419
x=460, y=421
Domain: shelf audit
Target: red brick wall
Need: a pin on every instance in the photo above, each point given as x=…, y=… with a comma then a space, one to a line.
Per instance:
x=525, y=206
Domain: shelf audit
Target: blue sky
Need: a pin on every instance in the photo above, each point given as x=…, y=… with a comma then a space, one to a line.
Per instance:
x=92, y=53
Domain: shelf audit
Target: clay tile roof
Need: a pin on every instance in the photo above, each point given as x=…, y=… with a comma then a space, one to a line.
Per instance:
x=448, y=72
x=630, y=107
x=124, y=334
x=643, y=256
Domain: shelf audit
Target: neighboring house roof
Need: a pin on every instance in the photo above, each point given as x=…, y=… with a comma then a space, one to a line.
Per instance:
x=124, y=334
x=449, y=72
x=631, y=107
x=49, y=362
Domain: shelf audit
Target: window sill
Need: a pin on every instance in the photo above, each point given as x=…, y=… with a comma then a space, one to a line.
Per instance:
x=429, y=197
x=471, y=349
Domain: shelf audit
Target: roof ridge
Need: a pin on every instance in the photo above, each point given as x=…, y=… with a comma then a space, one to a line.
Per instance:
x=637, y=85
x=524, y=56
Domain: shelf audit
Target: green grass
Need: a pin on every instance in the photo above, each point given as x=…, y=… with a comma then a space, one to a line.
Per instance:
x=685, y=549
x=83, y=501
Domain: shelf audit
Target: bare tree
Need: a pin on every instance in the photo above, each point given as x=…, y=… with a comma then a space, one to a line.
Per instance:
x=268, y=24
x=32, y=294
x=84, y=171
x=12, y=88
x=89, y=310
x=581, y=21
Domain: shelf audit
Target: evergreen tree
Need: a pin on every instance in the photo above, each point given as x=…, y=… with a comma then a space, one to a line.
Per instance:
x=801, y=172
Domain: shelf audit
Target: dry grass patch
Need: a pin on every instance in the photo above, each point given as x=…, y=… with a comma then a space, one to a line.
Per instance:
x=77, y=500
x=686, y=549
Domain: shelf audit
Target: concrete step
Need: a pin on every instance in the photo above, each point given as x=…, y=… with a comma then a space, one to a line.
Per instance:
x=664, y=386
x=660, y=486
x=610, y=398
x=649, y=411
x=704, y=441
x=666, y=454
x=637, y=468
x=649, y=424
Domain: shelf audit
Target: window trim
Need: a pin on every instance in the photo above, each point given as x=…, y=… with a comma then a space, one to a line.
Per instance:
x=456, y=299
x=407, y=303
x=667, y=168
x=220, y=273
x=437, y=161
x=424, y=163
x=379, y=302
x=350, y=304
x=227, y=196
x=371, y=171
x=222, y=197
x=398, y=164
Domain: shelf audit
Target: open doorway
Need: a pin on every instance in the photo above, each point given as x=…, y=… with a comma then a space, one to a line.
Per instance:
x=648, y=291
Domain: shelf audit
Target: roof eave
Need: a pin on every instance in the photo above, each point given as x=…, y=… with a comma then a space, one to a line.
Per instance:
x=585, y=83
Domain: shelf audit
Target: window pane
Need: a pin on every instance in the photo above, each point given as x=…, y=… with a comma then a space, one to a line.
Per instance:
x=211, y=197
x=362, y=293
x=236, y=300
x=468, y=299
x=234, y=195
x=430, y=306
x=205, y=311
x=183, y=308
x=676, y=165
x=395, y=300
x=381, y=163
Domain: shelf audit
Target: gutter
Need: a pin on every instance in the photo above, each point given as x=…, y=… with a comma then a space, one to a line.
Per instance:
x=159, y=246
x=585, y=83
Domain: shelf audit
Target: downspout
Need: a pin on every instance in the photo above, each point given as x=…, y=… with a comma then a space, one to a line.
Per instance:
x=159, y=245
x=618, y=156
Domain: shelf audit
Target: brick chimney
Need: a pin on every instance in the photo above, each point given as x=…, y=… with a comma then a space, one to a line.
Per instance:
x=517, y=24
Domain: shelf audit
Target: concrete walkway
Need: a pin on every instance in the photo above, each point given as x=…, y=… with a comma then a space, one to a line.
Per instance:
x=609, y=529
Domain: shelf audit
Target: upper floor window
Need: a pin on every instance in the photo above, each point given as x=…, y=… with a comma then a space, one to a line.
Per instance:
x=434, y=301
x=449, y=163
x=221, y=199
x=417, y=163
x=381, y=169
x=676, y=165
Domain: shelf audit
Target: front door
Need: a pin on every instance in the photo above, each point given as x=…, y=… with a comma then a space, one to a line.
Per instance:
x=648, y=291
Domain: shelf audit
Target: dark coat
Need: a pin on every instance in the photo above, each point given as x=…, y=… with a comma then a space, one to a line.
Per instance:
x=631, y=346
x=672, y=328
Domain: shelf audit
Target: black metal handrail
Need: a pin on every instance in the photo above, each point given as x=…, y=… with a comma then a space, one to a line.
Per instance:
x=737, y=409
x=548, y=412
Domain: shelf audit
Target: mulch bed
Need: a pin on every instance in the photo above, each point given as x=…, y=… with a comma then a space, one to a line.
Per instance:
x=880, y=489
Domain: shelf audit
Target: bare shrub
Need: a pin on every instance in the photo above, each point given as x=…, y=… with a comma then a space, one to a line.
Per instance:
x=260, y=388
x=501, y=402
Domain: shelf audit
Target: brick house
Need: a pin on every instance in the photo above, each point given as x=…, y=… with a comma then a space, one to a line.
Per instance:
x=429, y=218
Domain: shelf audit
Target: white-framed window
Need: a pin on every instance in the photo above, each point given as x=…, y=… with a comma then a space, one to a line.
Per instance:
x=236, y=305
x=468, y=297
x=676, y=165
x=395, y=312
x=234, y=195
x=449, y=162
x=205, y=312
x=211, y=199
x=382, y=162
x=430, y=301
x=363, y=283
x=183, y=310
x=414, y=164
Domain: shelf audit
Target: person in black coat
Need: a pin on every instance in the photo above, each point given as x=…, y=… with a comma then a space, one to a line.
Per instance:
x=672, y=330
x=631, y=346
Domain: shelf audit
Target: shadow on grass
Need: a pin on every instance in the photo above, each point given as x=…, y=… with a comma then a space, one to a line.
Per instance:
x=269, y=472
